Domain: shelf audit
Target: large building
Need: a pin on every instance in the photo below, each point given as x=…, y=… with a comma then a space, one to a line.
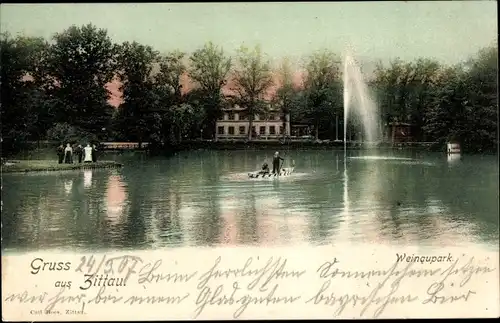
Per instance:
x=234, y=124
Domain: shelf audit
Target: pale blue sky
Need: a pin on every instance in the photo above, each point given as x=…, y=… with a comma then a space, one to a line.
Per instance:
x=449, y=31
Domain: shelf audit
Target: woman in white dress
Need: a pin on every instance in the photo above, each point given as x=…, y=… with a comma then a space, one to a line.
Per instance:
x=87, y=151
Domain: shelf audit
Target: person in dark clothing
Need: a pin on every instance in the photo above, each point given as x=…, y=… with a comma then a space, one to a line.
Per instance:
x=276, y=162
x=79, y=153
x=60, y=154
x=68, y=154
x=94, y=154
x=265, y=169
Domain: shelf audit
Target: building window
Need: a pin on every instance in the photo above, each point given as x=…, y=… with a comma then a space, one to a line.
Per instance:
x=242, y=130
x=230, y=116
x=254, y=132
x=272, y=117
x=231, y=130
x=281, y=130
x=272, y=130
x=262, y=117
x=262, y=130
x=220, y=130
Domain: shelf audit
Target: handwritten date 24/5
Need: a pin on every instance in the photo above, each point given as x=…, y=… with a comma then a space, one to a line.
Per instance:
x=108, y=265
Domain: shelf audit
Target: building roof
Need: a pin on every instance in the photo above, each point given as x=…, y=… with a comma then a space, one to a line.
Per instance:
x=237, y=108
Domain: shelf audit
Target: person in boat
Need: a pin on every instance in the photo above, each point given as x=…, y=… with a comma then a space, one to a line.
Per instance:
x=265, y=169
x=276, y=162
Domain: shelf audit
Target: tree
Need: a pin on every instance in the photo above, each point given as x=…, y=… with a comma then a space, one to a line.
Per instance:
x=168, y=88
x=286, y=93
x=82, y=61
x=465, y=106
x=138, y=115
x=422, y=86
x=169, y=77
x=23, y=100
x=209, y=69
x=252, y=78
x=405, y=90
x=66, y=133
x=323, y=87
x=445, y=117
x=388, y=83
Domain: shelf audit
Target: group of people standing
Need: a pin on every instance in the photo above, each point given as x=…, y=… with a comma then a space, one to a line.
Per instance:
x=87, y=153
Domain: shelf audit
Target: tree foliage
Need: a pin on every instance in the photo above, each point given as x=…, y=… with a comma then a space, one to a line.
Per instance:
x=58, y=90
x=82, y=60
x=286, y=97
x=209, y=69
x=323, y=89
x=22, y=76
x=252, y=79
x=443, y=103
x=136, y=116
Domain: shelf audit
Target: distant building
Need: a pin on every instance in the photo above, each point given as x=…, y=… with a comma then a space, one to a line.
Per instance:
x=397, y=132
x=234, y=123
x=302, y=130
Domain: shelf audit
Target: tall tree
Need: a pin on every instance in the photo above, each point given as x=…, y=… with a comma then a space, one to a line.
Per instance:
x=286, y=93
x=137, y=112
x=169, y=78
x=23, y=100
x=209, y=68
x=405, y=90
x=446, y=115
x=465, y=107
x=82, y=61
x=323, y=87
x=252, y=78
x=421, y=88
x=182, y=114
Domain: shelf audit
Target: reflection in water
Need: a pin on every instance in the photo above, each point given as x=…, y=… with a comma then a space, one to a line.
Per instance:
x=68, y=184
x=192, y=199
x=279, y=226
x=345, y=198
x=87, y=178
x=390, y=205
x=116, y=196
x=453, y=158
x=230, y=233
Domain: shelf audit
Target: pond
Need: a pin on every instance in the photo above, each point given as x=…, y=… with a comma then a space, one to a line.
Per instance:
x=205, y=198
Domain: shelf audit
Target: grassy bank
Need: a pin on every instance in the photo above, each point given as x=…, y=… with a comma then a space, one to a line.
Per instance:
x=16, y=166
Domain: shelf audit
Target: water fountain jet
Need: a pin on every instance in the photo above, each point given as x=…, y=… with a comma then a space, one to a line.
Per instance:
x=365, y=107
x=366, y=110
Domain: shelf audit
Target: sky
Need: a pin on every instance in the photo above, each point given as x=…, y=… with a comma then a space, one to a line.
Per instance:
x=449, y=31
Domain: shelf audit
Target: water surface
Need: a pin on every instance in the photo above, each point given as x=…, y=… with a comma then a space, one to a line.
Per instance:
x=204, y=198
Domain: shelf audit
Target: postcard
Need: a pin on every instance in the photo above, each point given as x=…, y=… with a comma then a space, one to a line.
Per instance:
x=249, y=161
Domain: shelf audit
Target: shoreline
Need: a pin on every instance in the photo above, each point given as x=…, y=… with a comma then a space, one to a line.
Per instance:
x=196, y=145
x=33, y=165
x=262, y=145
